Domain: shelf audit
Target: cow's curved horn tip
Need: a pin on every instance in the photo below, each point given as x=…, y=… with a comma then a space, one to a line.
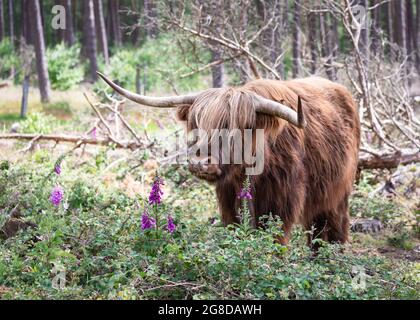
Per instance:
x=104, y=77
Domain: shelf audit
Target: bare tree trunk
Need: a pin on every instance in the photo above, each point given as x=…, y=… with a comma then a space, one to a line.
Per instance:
x=144, y=79
x=210, y=9
x=383, y=20
x=11, y=22
x=411, y=31
x=364, y=33
x=11, y=31
x=26, y=34
x=272, y=35
x=417, y=36
x=375, y=28
x=150, y=18
x=401, y=29
x=332, y=40
x=278, y=37
x=325, y=45
x=284, y=30
x=41, y=9
x=27, y=24
x=136, y=32
x=101, y=30
x=2, y=33
x=296, y=39
x=390, y=29
x=41, y=61
x=90, y=38
x=68, y=34
x=241, y=65
x=410, y=26
x=114, y=22
x=60, y=32
x=400, y=24
x=76, y=24
x=25, y=93
x=286, y=16
x=217, y=71
x=313, y=27
x=138, y=80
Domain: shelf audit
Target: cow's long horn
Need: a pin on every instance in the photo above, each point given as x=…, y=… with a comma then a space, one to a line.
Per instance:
x=277, y=109
x=159, y=102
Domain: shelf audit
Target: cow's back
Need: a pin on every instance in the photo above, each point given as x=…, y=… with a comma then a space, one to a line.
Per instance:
x=329, y=142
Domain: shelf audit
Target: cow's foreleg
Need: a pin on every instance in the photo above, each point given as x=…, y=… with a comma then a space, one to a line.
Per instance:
x=228, y=201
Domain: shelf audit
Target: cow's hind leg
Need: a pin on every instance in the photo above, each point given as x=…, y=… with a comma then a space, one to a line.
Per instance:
x=334, y=229
x=339, y=223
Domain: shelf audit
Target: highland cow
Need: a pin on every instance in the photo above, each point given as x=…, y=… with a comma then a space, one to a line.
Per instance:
x=311, y=134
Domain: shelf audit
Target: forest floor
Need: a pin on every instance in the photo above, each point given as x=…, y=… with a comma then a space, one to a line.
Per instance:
x=94, y=237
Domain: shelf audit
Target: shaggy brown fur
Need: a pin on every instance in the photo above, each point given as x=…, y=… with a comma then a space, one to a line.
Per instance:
x=308, y=173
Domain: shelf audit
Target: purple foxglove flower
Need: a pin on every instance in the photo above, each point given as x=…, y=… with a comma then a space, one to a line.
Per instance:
x=57, y=195
x=171, y=227
x=147, y=222
x=94, y=133
x=156, y=193
x=245, y=194
x=57, y=169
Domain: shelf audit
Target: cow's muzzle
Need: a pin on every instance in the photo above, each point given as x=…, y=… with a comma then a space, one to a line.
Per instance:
x=204, y=168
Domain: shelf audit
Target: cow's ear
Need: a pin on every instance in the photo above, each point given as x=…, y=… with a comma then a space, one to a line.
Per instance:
x=182, y=112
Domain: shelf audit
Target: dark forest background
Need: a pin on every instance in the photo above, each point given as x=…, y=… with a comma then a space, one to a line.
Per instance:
x=293, y=38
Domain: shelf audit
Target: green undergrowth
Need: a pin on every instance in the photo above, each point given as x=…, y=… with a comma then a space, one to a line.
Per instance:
x=95, y=239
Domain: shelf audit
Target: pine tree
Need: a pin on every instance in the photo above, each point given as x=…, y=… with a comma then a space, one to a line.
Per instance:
x=101, y=29
x=38, y=37
x=90, y=38
x=2, y=33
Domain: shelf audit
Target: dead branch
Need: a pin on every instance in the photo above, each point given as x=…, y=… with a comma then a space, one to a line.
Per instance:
x=208, y=66
x=232, y=45
x=73, y=139
x=388, y=161
x=99, y=116
x=369, y=160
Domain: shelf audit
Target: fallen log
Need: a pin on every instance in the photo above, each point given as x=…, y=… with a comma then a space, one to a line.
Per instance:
x=366, y=161
x=80, y=140
x=388, y=160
